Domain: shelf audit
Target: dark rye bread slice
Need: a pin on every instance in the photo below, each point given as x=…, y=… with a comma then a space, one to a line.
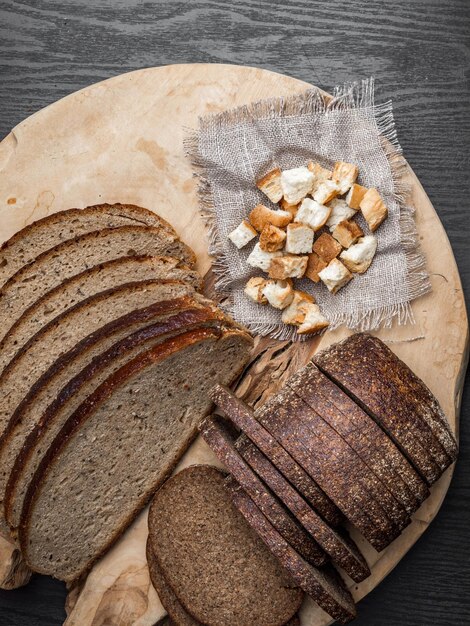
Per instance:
x=74, y=256
x=362, y=433
x=342, y=550
x=23, y=450
x=119, y=446
x=44, y=234
x=325, y=586
x=354, y=371
x=215, y=564
x=99, y=278
x=68, y=365
x=332, y=464
x=243, y=417
x=222, y=442
x=312, y=386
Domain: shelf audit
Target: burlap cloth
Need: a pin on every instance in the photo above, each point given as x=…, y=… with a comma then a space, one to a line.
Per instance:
x=231, y=150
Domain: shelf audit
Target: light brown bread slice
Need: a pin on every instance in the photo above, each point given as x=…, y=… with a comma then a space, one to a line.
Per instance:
x=216, y=565
x=74, y=256
x=99, y=278
x=119, y=446
x=324, y=586
x=50, y=231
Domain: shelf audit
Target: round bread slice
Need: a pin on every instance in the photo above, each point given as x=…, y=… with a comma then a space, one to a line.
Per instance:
x=74, y=256
x=214, y=563
x=222, y=443
x=119, y=446
x=99, y=278
x=325, y=586
x=43, y=234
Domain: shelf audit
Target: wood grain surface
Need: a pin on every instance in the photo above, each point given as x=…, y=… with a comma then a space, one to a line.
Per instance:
x=419, y=53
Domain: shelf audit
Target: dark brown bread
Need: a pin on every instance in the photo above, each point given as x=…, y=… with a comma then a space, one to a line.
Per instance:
x=113, y=452
x=243, y=417
x=222, y=443
x=353, y=368
x=363, y=436
x=334, y=466
x=215, y=564
x=342, y=550
x=325, y=586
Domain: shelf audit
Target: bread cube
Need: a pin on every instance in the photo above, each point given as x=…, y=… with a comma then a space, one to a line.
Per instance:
x=272, y=238
x=242, y=234
x=359, y=256
x=260, y=258
x=290, y=208
x=355, y=195
x=314, y=320
x=314, y=265
x=320, y=174
x=279, y=293
x=335, y=275
x=270, y=185
x=326, y=191
x=299, y=239
x=347, y=233
x=296, y=184
x=312, y=214
x=327, y=247
x=261, y=216
x=294, y=313
x=288, y=266
x=254, y=289
x=373, y=209
x=344, y=174
x=340, y=211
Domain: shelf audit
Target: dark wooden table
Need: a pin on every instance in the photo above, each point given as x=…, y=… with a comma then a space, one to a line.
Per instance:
x=419, y=52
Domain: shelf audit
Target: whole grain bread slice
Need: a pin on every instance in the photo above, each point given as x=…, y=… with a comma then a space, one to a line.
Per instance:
x=50, y=231
x=324, y=586
x=215, y=564
x=99, y=278
x=222, y=442
x=119, y=446
x=74, y=256
x=243, y=417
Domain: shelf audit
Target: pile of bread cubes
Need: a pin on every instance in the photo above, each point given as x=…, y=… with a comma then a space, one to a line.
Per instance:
x=310, y=199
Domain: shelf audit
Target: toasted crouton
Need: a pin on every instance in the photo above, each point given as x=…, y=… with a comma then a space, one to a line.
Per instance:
x=272, y=238
x=299, y=239
x=347, y=233
x=254, y=289
x=344, y=174
x=359, y=256
x=242, y=234
x=314, y=265
x=279, y=293
x=294, y=313
x=296, y=184
x=261, y=216
x=326, y=191
x=314, y=320
x=290, y=208
x=327, y=247
x=312, y=214
x=373, y=209
x=335, y=275
x=320, y=174
x=270, y=185
x=288, y=266
x=355, y=195
x=339, y=211
x=261, y=259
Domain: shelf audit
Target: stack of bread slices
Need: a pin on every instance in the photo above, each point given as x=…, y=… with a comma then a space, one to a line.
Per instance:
x=107, y=355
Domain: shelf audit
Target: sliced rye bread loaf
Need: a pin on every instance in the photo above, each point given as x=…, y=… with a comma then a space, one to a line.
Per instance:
x=243, y=417
x=354, y=371
x=74, y=256
x=119, y=446
x=342, y=550
x=324, y=586
x=48, y=232
x=215, y=564
x=333, y=465
x=222, y=442
x=24, y=448
x=67, y=366
x=99, y=278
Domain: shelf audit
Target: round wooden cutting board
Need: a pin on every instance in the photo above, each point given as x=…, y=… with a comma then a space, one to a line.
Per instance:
x=122, y=141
